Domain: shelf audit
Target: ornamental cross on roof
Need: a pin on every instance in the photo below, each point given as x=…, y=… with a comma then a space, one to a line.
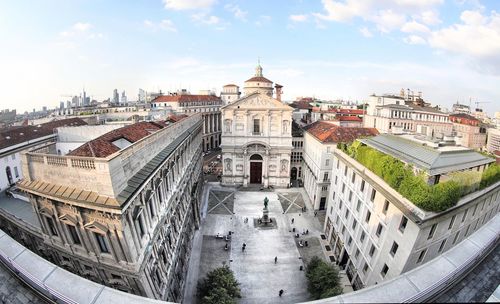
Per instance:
x=258, y=69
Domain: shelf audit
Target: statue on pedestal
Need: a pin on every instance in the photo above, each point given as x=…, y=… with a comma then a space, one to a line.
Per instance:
x=265, y=212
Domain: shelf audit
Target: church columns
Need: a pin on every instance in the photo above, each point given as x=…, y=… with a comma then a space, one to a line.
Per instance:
x=265, y=168
x=246, y=167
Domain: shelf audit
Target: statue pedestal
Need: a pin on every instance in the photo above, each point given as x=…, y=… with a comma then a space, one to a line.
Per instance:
x=265, y=216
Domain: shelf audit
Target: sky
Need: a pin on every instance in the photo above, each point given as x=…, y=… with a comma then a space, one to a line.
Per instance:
x=329, y=49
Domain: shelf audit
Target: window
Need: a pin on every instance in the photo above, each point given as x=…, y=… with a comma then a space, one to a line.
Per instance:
x=455, y=238
x=441, y=246
x=337, y=218
x=358, y=205
x=362, y=237
x=384, y=271
x=74, y=234
x=368, y=215
x=324, y=188
x=379, y=230
x=354, y=224
x=356, y=255
x=421, y=256
x=16, y=172
x=402, y=224
x=327, y=162
x=467, y=231
x=343, y=188
x=140, y=225
x=374, y=193
x=394, y=248
x=327, y=149
x=362, y=188
x=475, y=209
x=336, y=178
x=365, y=268
x=353, y=179
x=452, y=221
x=349, y=242
x=256, y=126
x=346, y=213
x=13, y=156
x=101, y=241
x=350, y=196
x=465, y=215
x=333, y=196
x=340, y=204
x=325, y=177
x=386, y=207
x=432, y=231
x=331, y=209
x=372, y=250
x=52, y=227
x=345, y=170
x=343, y=229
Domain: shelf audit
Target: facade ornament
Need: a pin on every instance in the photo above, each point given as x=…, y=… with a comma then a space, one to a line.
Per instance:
x=284, y=166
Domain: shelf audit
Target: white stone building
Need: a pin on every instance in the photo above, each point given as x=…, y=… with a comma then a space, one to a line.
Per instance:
x=320, y=141
x=230, y=93
x=376, y=234
x=257, y=137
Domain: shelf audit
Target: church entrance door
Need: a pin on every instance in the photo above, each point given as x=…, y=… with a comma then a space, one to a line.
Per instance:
x=255, y=173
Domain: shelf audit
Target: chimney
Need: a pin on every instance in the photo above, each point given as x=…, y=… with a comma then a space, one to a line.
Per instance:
x=278, y=91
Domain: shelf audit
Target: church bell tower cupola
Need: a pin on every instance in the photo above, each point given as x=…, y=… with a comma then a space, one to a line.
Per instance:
x=258, y=70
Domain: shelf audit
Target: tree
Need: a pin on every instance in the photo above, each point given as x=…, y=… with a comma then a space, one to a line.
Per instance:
x=219, y=286
x=490, y=176
x=323, y=279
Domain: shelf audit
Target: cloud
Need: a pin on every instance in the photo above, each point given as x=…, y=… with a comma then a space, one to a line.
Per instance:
x=82, y=27
x=366, y=32
x=238, y=13
x=477, y=36
x=413, y=27
x=414, y=39
x=164, y=25
x=476, y=39
x=386, y=15
x=298, y=18
x=78, y=31
x=205, y=19
x=188, y=4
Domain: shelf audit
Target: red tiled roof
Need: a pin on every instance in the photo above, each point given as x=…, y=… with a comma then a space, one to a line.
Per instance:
x=16, y=135
x=186, y=98
x=465, y=119
x=103, y=145
x=301, y=104
x=330, y=133
x=341, y=111
x=260, y=79
x=176, y=118
x=348, y=118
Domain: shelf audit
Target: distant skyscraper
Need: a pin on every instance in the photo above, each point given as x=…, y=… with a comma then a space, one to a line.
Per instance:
x=115, y=96
x=123, y=99
x=61, y=105
x=68, y=104
x=141, y=97
x=74, y=101
x=84, y=98
x=44, y=108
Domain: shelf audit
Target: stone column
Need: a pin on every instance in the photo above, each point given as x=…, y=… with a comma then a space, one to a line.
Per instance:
x=246, y=167
x=265, y=165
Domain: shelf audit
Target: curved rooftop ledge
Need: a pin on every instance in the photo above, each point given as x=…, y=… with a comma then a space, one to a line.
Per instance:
x=420, y=284
x=434, y=277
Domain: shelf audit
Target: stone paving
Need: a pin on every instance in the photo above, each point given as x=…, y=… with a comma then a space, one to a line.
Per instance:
x=13, y=291
x=479, y=284
x=254, y=268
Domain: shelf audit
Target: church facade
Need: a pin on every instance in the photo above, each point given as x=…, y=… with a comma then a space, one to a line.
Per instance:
x=257, y=136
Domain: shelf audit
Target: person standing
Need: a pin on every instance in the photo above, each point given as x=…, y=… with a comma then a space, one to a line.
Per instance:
x=293, y=220
x=281, y=292
x=275, y=259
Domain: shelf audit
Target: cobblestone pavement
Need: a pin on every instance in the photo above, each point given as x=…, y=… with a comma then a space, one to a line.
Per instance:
x=479, y=284
x=13, y=291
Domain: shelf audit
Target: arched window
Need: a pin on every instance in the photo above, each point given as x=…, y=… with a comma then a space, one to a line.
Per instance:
x=256, y=157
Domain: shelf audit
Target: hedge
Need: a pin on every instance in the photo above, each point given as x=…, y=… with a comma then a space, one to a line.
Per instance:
x=323, y=280
x=401, y=178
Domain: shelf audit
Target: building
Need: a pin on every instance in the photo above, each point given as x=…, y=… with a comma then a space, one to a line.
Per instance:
x=116, y=97
x=320, y=141
x=15, y=140
x=208, y=105
x=120, y=209
x=406, y=113
x=257, y=136
x=493, y=142
x=123, y=98
x=376, y=234
x=344, y=116
x=296, y=158
x=460, y=108
x=469, y=130
x=230, y=93
x=302, y=110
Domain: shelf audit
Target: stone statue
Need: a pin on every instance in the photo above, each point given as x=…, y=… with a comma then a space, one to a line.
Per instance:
x=266, y=201
x=285, y=126
x=265, y=213
x=228, y=163
x=227, y=124
x=284, y=165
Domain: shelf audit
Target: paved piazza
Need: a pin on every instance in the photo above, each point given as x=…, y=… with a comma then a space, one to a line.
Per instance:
x=260, y=278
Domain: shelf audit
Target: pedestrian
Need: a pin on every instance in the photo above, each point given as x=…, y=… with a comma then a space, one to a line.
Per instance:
x=307, y=231
x=293, y=220
x=315, y=213
x=275, y=259
x=281, y=292
x=242, y=248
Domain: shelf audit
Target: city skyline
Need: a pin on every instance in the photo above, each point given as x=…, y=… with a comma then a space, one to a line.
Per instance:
x=449, y=50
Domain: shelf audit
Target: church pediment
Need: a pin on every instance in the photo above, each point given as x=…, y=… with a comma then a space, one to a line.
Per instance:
x=258, y=101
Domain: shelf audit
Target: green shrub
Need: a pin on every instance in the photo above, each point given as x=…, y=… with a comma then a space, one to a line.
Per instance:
x=490, y=176
x=323, y=279
x=219, y=286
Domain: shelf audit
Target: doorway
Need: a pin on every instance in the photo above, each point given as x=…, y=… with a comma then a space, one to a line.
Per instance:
x=256, y=169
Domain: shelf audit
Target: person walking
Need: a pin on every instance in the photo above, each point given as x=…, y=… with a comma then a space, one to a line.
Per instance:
x=281, y=292
x=293, y=220
x=275, y=259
